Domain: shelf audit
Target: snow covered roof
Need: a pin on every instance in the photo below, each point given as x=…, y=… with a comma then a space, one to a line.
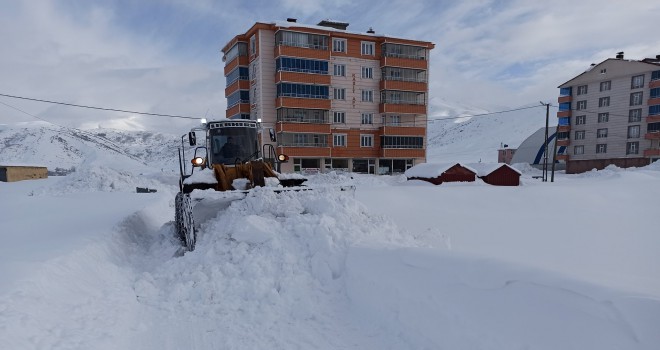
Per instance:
x=431, y=170
x=484, y=169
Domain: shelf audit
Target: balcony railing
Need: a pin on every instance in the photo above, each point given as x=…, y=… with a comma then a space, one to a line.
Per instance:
x=303, y=144
x=304, y=45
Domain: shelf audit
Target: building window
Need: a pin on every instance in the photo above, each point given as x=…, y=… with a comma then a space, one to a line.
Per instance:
x=402, y=142
x=395, y=120
x=603, y=71
x=654, y=110
x=339, y=117
x=291, y=64
x=637, y=82
x=338, y=45
x=565, y=91
x=564, y=121
x=601, y=133
x=367, y=95
x=601, y=148
x=366, y=140
x=653, y=127
x=339, y=70
x=339, y=140
x=636, y=98
x=655, y=93
x=634, y=115
x=655, y=75
x=339, y=93
x=603, y=117
x=367, y=118
x=604, y=102
x=302, y=90
x=605, y=85
x=578, y=150
x=579, y=135
x=632, y=147
x=253, y=45
x=582, y=90
x=633, y=131
x=580, y=120
x=367, y=73
x=564, y=106
x=581, y=105
x=311, y=41
x=368, y=48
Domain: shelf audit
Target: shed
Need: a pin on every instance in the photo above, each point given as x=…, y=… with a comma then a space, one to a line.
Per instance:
x=437, y=173
x=11, y=173
x=497, y=174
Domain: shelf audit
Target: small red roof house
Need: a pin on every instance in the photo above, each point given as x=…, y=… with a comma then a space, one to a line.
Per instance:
x=497, y=174
x=437, y=173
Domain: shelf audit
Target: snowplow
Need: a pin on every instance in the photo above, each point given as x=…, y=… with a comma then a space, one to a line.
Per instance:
x=230, y=162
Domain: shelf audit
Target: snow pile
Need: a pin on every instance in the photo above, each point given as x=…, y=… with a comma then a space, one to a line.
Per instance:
x=334, y=178
x=271, y=264
x=100, y=179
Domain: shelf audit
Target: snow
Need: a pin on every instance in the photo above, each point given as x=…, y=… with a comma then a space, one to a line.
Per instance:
x=87, y=263
x=201, y=176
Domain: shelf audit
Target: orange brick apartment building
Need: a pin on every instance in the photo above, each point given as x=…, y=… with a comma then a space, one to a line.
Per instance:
x=330, y=98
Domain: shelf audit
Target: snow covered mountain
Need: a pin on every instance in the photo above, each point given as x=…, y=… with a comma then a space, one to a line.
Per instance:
x=455, y=133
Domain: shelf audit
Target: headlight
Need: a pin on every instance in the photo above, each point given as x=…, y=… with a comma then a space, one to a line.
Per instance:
x=283, y=157
x=197, y=161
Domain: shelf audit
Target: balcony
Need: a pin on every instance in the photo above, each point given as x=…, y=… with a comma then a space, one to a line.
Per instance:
x=402, y=130
x=562, y=114
x=402, y=108
x=563, y=128
x=238, y=61
x=654, y=101
x=652, y=152
x=563, y=157
x=304, y=52
x=654, y=135
x=564, y=99
x=563, y=142
x=403, y=85
x=303, y=128
x=403, y=62
x=304, y=78
x=654, y=83
x=319, y=150
x=238, y=108
x=237, y=85
x=298, y=102
x=653, y=119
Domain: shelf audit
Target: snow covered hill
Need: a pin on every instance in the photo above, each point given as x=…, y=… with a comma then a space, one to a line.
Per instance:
x=468, y=139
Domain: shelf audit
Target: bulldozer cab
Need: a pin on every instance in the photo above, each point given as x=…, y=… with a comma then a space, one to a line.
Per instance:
x=232, y=142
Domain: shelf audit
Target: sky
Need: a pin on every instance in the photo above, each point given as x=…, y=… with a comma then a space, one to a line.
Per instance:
x=164, y=56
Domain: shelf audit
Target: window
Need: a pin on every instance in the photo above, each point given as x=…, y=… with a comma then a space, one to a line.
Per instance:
x=367, y=95
x=637, y=82
x=339, y=140
x=368, y=48
x=601, y=148
x=632, y=147
x=366, y=140
x=339, y=117
x=654, y=110
x=311, y=41
x=339, y=93
x=303, y=65
x=655, y=75
x=367, y=72
x=655, y=93
x=302, y=90
x=636, y=98
x=633, y=131
x=367, y=118
x=240, y=96
x=253, y=45
x=580, y=120
x=603, y=117
x=564, y=106
x=564, y=121
x=339, y=70
x=604, y=102
x=582, y=90
x=581, y=105
x=239, y=73
x=563, y=135
x=605, y=85
x=579, y=135
x=338, y=45
x=653, y=127
x=401, y=142
x=565, y=91
x=603, y=71
x=601, y=133
x=395, y=120
x=634, y=115
x=578, y=150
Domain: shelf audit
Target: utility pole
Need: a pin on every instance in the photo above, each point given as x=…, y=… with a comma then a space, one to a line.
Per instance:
x=545, y=145
x=554, y=154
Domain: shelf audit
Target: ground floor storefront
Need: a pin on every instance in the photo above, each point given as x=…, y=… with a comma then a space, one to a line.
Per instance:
x=378, y=166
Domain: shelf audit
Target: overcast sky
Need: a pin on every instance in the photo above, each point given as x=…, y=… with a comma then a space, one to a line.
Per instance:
x=164, y=56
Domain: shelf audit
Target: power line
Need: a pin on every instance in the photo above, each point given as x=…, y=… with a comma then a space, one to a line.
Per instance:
x=98, y=108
